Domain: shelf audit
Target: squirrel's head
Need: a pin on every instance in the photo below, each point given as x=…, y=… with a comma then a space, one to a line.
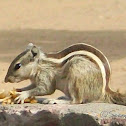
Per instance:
x=23, y=65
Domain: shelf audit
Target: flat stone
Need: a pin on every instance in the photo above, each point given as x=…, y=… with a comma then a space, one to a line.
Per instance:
x=91, y=114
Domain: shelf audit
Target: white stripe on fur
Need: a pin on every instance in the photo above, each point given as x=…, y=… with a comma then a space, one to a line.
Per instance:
x=86, y=53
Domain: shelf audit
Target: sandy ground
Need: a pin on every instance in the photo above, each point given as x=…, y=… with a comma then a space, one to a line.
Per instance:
x=55, y=25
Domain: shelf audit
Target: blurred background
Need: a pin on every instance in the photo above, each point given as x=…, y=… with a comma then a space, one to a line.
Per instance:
x=53, y=25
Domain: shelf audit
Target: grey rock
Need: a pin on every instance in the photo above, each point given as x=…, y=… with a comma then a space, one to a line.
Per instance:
x=91, y=114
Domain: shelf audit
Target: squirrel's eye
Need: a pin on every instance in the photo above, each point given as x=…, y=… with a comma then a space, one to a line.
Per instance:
x=17, y=66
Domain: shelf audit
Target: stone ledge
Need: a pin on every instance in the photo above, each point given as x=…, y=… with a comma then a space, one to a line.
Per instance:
x=91, y=114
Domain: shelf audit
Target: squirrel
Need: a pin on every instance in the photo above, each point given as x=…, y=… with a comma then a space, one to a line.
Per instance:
x=80, y=71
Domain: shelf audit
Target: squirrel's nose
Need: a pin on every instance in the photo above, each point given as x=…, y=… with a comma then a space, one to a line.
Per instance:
x=6, y=79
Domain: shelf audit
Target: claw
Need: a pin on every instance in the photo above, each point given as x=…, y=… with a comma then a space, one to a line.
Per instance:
x=16, y=98
x=18, y=101
x=22, y=101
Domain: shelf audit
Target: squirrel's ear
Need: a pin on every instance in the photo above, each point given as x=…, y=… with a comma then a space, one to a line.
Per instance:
x=34, y=51
x=30, y=46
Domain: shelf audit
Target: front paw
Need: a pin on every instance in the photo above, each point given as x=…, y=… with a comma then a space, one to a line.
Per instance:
x=22, y=96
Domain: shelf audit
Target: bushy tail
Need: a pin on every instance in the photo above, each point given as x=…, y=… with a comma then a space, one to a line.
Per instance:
x=115, y=97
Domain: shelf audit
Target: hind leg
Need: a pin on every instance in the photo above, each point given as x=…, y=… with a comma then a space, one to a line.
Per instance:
x=84, y=80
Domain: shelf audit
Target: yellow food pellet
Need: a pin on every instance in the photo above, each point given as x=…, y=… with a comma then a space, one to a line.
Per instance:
x=14, y=96
x=5, y=101
x=33, y=101
x=12, y=103
x=9, y=101
x=3, y=94
x=27, y=100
